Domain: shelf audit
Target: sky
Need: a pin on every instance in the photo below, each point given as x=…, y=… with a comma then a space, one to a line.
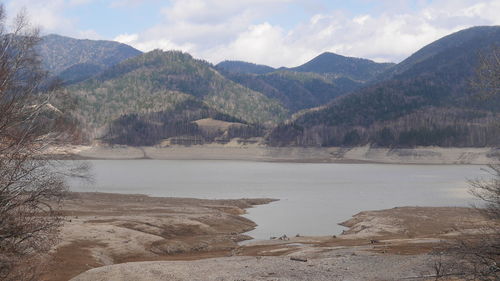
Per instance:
x=272, y=32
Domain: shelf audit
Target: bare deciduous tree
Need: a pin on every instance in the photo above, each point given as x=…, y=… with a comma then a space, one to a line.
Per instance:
x=31, y=184
x=480, y=255
x=477, y=257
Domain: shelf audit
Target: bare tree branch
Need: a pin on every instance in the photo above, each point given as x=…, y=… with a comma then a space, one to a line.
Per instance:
x=31, y=184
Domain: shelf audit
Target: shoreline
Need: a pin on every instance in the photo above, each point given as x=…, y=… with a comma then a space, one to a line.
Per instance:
x=106, y=233
x=260, y=153
x=109, y=228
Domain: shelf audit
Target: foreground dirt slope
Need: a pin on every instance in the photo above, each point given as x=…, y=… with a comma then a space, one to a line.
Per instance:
x=135, y=237
x=342, y=264
x=103, y=229
x=394, y=244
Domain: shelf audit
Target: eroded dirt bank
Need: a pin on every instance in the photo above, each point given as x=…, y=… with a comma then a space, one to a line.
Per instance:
x=235, y=150
x=135, y=237
x=103, y=229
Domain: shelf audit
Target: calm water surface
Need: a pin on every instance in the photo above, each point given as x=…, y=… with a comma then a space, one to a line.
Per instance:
x=314, y=198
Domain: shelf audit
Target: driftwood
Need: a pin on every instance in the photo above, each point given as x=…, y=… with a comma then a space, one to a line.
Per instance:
x=298, y=259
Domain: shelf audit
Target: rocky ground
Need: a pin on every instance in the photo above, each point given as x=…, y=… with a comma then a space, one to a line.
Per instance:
x=135, y=237
x=334, y=264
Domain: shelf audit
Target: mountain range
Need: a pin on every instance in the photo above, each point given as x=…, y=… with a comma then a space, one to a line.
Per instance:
x=334, y=65
x=312, y=84
x=424, y=100
x=129, y=97
x=158, y=80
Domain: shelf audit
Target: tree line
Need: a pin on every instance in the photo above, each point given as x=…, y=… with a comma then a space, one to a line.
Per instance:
x=432, y=126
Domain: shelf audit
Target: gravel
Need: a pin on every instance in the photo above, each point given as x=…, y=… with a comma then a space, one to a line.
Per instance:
x=327, y=264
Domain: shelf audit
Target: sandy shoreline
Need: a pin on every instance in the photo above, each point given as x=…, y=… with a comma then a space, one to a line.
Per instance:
x=256, y=152
x=136, y=237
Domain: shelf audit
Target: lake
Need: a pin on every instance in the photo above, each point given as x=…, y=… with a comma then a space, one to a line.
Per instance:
x=313, y=198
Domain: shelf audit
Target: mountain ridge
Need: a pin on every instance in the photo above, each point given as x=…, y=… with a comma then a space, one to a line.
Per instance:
x=237, y=66
x=435, y=47
x=334, y=100
x=72, y=59
x=354, y=68
x=152, y=81
x=431, y=89
x=296, y=90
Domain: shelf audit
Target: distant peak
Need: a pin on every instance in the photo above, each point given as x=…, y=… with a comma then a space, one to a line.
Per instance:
x=330, y=54
x=339, y=65
x=237, y=66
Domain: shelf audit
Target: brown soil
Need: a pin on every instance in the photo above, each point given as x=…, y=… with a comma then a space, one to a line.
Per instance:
x=72, y=259
x=105, y=229
x=411, y=222
x=102, y=229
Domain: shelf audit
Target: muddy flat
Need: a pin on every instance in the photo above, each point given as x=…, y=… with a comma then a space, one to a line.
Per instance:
x=136, y=237
x=103, y=229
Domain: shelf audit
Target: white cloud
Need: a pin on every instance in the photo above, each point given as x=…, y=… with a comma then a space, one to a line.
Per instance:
x=361, y=19
x=262, y=43
x=45, y=14
x=224, y=29
x=215, y=11
x=149, y=45
x=49, y=16
x=250, y=30
x=126, y=38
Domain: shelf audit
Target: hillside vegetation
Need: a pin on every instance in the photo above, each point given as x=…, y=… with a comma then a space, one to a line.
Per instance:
x=297, y=90
x=126, y=97
x=182, y=124
x=425, y=100
x=353, y=68
x=243, y=67
x=312, y=84
x=74, y=60
x=158, y=81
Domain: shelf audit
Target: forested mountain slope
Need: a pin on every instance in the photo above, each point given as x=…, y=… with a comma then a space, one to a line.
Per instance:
x=187, y=122
x=74, y=60
x=341, y=66
x=297, y=90
x=243, y=67
x=157, y=81
x=425, y=100
x=312, y=84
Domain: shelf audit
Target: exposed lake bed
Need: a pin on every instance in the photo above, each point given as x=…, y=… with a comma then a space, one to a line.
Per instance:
x=312, y=200
x=136, y=237
x=246, y=150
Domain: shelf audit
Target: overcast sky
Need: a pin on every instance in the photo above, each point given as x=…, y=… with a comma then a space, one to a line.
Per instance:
x=272, y=32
